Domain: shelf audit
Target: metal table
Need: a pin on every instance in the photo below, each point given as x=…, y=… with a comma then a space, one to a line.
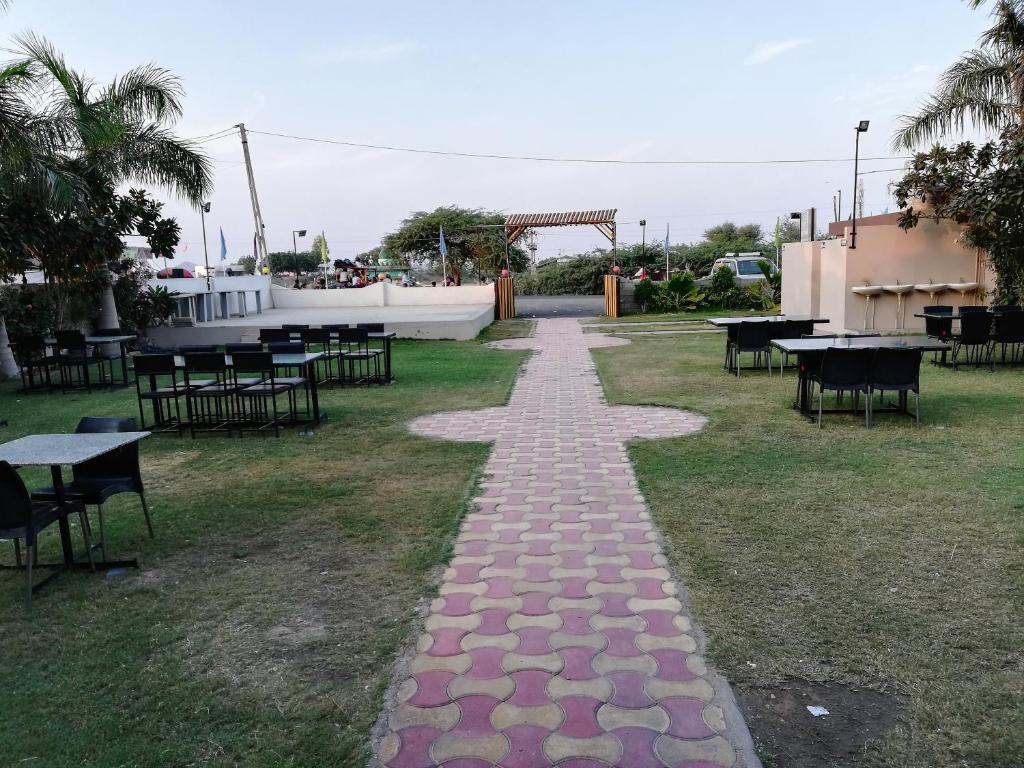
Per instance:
x=820, y=344
x=722, y=322
x=305, y=361
x=121, y=341
x=55, y=451
x=386, y=337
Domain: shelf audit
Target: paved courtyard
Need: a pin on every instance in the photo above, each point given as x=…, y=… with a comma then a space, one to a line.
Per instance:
x=558, y=637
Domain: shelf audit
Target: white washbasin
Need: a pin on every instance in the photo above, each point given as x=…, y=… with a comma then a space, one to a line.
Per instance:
x=963, y=287
x=898, y=288
x=867, y=290
x=931, y=287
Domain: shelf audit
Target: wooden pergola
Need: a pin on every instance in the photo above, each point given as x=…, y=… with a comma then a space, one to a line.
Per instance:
x=517, y=223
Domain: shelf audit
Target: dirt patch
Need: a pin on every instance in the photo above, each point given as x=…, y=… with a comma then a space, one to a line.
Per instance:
x=787, y=735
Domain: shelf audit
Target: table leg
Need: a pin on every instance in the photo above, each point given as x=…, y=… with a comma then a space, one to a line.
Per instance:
x=313, y=396
x=124, y=363
x=387, y=360
x=62, y=522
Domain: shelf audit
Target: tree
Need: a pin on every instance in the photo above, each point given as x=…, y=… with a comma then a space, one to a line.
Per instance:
x=287, y=261
x=985, y=86
x=316, y=250
x=729, y=231
x=980, y=188
x=475, y=240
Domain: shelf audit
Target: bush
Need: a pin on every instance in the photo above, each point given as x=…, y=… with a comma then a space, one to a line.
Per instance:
x=28, y=310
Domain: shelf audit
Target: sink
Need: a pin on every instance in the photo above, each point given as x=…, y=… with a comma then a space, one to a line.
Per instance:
x=963, y=287
x=931, y=288
x=899, y=288
x=867, y=290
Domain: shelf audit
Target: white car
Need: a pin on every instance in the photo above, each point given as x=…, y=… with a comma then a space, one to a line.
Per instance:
x=746, y=268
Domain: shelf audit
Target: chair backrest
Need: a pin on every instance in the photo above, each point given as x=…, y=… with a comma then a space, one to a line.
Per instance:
x=205, y=362
x=253, y=362
x=15, y=502
x=975, y=327
x=120, y=462
x=792, y=329
x=895, y=367
x=109, y=332
x=1009, y=327
x=753, y=334
x=969, y=309
x=70, y=340
x=270, y=335
x=28, y=348
x=1001, y=308
x=332, y=327
x=939, y=327
x=154, y=365
x=291, y=327
x=845, y=366
x=286, y=348
x=187, y=348
x=351, y=335
x=316, y=336
x=371, y=327
x=939, y=309
x=243, y=346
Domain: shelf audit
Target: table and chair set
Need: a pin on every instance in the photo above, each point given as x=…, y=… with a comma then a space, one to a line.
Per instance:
x=72, y=360
x=853, y=364
x=103, y=454
x=980, y=331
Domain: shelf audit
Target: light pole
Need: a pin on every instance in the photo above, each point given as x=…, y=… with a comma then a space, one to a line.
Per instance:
x=295, y=248
x=204, y=209
x=643, y=242
x=861, y=127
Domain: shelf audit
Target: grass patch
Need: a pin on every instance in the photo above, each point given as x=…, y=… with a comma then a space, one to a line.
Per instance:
x=889, y=559
x=261, y=627
x=507, y=329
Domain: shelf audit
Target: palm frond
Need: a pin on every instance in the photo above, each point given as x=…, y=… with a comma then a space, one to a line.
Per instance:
x=938, y=117
x=75, y=87
x=147, y=92
x=153, y=155
x=981, y=74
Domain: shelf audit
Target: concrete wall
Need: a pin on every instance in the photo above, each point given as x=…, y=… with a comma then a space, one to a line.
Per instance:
x=253, y=283
x=383, y=295
x=884, y=255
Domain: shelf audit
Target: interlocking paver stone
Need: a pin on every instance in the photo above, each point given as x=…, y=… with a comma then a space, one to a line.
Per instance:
x=558, y=637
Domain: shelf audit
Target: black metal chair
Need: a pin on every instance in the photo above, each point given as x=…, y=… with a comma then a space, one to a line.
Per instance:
x=1008, y=332
x=371, y=327
x=975, y=337
x=356, y=353
x=73, y=360
x=730, y=341
x=243, y=346
x=1001, y=308
x=30, y=353
x=211, y=407
x=791, y=329
x=969, y=309
x=753, y=336
x=110, y=357
x=897, y=370
x=156, y=382
x=844, y=369
x=22, y=519
x=115, y=472
x=257, y=403
x=324, y=339
x=292, y=348
x=294, y=330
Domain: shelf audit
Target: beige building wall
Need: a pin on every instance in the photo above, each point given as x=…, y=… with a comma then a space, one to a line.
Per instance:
x=801, y=276
x=885, y=255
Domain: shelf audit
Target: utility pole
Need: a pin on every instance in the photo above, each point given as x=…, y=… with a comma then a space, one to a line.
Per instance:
x=261, y=257
x=204, y=208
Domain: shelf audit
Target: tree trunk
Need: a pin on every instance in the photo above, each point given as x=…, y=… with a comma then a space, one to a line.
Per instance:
x=8, y=368
x=108, y=315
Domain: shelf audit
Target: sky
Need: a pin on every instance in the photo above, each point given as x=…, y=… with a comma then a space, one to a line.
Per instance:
x=651, y=80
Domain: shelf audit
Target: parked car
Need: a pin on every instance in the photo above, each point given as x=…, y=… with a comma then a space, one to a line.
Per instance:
x=746, y=268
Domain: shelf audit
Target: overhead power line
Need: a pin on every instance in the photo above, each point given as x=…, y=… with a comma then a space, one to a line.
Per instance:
x=545, y=159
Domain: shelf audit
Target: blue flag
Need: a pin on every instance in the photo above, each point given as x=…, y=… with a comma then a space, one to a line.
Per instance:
x=444, y=247
x=666, y=241
x=223, y=246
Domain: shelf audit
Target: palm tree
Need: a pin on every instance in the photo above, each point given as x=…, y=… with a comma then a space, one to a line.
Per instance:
x=984, y=87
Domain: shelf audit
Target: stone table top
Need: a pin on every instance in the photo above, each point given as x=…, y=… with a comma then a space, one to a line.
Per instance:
x=50, y=450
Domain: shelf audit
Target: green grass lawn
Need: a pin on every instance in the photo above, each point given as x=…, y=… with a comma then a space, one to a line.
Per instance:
x=704, y=314
x=262, y=626
x=889, y=559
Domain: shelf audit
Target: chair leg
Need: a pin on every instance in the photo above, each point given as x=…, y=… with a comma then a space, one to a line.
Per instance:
x=917, y=408
x=821, y=402
x=103, y=533
x=145, y=511
x=84, y=522
x=30, y=552
x=17, y=553
x=867, y=408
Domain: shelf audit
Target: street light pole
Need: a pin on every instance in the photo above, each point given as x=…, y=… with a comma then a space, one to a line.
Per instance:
x=204, y=209
x=643, y=242
x=861, y=127
x=295, y=247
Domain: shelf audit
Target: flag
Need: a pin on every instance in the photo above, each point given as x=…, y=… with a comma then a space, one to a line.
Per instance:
x=444, y=247
x=666, y=243
x=444, y=257
x=223, y=246
x=323, y=247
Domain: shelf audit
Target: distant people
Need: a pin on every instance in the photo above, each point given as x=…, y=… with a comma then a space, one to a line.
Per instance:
x=449, y=280
x=297, y=285
x=433, y=283
x=406, y=280
x=387, y=278
x=357, y=282
x=344, y=278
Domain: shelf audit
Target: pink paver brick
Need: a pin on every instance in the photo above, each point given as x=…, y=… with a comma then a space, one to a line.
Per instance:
x=558, y=623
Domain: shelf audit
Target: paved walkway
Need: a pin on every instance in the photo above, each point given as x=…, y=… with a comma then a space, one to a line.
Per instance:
x=557, y=638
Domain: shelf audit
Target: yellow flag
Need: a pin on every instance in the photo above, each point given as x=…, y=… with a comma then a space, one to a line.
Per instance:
x=323, y=247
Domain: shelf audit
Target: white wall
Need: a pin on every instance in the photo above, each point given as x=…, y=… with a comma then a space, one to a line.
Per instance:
x=252, y=283
x=382, y=295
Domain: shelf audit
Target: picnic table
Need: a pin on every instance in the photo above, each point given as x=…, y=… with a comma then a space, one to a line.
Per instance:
x=803, y=347
x=55, y=452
